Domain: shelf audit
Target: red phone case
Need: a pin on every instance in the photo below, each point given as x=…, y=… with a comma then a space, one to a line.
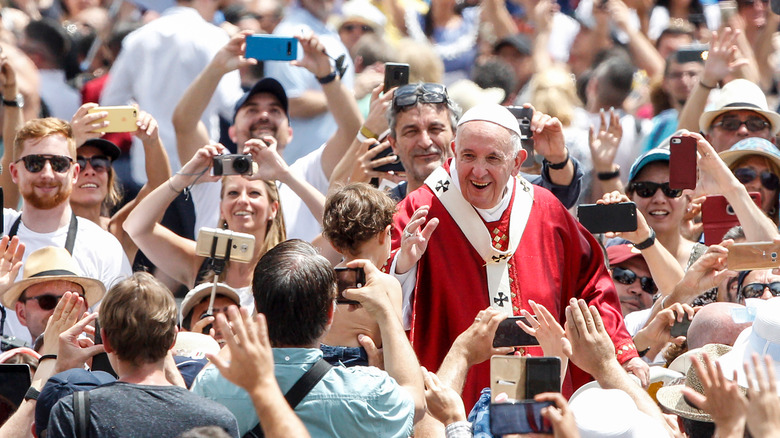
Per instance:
x=718, y=218
x=682, y=163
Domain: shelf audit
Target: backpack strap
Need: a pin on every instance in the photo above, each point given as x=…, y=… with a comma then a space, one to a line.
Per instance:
x=81, y=413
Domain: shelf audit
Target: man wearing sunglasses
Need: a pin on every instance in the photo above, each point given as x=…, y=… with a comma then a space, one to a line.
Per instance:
x=44, y=168
x=633, y=283
x=47, y=274
x=760, y=283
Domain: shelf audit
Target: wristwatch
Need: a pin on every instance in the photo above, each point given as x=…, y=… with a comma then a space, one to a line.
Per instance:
x=16, y=103
x=647, y=243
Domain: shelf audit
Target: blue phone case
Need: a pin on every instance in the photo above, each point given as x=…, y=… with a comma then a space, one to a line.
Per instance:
x=271, y=48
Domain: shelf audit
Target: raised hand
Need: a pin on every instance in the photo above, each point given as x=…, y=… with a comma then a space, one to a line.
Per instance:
x=11, y=253
x=604, y=143
x=414, y=240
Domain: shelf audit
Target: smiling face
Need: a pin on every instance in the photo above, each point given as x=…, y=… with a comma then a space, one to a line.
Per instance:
x=722, y=139
x=46, y=189
x=485, y=160
x=662, y=213
x=246, y=206
x=92, y=185
x=422, y=136
x=262, y=114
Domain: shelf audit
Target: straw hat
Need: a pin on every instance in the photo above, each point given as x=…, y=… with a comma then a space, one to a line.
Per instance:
x=52, y=264
x=740, y=94
x=201, y=291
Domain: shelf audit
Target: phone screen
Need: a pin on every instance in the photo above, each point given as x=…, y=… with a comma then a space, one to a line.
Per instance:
x=519, y=418
x=348, y=278
x=14, y=382
x=542, y=374
x=509, y=334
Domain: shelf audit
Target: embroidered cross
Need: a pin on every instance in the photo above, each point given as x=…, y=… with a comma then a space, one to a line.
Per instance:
x=443, y=186
x=500, y=299
x=500, y=257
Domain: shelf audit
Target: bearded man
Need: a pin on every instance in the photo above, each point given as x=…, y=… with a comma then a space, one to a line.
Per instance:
x=45, y=169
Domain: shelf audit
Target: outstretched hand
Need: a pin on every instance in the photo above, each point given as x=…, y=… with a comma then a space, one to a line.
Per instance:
x=414, y=240
x=11, y=253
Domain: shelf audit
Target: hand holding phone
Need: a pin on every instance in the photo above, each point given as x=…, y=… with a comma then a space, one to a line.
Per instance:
x=349, y=278
x=682, y=163
x=271, y=48
x=749, y=256
x=119, y=118
x=522, y=417
x=603, y=218
x=680, y=328
x=509, y=334
x=396, y=75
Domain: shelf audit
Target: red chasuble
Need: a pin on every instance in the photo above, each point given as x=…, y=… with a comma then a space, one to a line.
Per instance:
x=557, y=259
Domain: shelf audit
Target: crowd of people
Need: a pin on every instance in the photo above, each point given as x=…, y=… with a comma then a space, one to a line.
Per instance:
x=292, y=248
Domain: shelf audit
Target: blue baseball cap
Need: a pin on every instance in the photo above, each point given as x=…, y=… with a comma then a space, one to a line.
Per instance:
x=651, y=156
x=265, y=85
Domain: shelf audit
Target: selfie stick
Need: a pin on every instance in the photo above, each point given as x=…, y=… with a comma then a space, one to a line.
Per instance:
x=217, y=265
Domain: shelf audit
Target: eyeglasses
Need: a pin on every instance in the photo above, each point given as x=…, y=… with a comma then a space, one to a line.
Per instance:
x=753, y=124
x=35, y=163
x=628, y=277
x=410, y=94
x=751, y=2
x=98, y=162
x=755, y=290
x=646, y=189
x=46, y=301
x=746, y=175
x=353, y=27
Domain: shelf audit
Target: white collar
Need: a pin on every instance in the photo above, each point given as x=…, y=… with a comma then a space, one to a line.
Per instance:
x=489, y=214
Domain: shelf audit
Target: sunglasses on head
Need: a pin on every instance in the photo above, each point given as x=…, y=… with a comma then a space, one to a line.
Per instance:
x=628, y=277
x=753, y=124
x=755, y=290
x=646, y=189
x=410, y=94
x=36, y=163
x=746, y=175
x=98, y=162
x=46, y=301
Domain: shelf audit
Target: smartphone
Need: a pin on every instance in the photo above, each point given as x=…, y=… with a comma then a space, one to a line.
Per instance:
x=396, y=75
x=542, y=374
x=225, y=245
x=728, y=9
x=524, y=116
x=100, y=361
x=680, y=328
x=14, y=382
x=120, y=118
x=507, y=374
x=718, y=217
x=692, y=53
x=509, y=334
x=748, y=256
x=395, y=166
x=348, y=278
x=682, y=163
x=271, y=48
x=522, y=417
x=601, y=218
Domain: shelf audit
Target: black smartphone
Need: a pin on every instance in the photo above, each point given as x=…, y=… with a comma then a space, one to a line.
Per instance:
x=680, y=328
x=395, y=166
x=693, y=53
x=100, y=361
x=524, y=116
x=682, y=163
x=396, y=75
x=601, y=218
x=521, y=417
x=542, y=374
x=349, y=278
x=14, y=382
x=509, y=334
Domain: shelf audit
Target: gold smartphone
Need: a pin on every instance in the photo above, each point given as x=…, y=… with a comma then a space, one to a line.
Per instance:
x=214, y=242
x=753, y=255
x=120, y=118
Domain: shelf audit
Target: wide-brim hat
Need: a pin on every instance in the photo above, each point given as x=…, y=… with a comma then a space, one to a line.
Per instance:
x=265, y=85
x=671, y=397
x=751, y=146
x=603, y=413
x=363, y=12
x=739, y=94
x=203, y=290
x=194, y=345
x=108, y=148
x=51, y=264
x=763, y=338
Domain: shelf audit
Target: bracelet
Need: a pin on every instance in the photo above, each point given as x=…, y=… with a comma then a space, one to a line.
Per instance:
x=367, y=132
x=644, y=352
x=170, y=186
x=703, y=85
x=327, y=79
x=647, y=243
x=47, y=356
x=558, y=166
x=606, y=176
x=32, y=394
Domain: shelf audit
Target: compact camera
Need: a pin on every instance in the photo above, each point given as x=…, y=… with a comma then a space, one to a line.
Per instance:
x=233, y=164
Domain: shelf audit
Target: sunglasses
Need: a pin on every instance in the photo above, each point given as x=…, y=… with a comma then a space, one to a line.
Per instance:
x=753, y=124
x=746, y=175
x=98, y=162
x=353, y=27
x=646, y=189
x=755, y=290
x=36, y=163
x=628, y=277
x=46, y=301
x=410, y=94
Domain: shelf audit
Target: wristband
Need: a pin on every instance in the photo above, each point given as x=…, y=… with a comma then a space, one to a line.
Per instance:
x=644, y=352
x=32, y=394
x=327, y=79
x=606, y=176
x=367, y=132
x=47, y=356
x=558, y=166
x=647, y=243
x=703, y=85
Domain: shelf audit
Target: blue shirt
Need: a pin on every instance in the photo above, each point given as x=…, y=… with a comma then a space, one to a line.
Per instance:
x=348, y=402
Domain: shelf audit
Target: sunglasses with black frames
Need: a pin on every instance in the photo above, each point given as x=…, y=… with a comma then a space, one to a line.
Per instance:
x=36, y=162
x=646, y=189
x=753, y=124
x=100, y=163
x=756, y=290
x=410, y=94
x=628, y=277
x=746, y=175
x=45, y=301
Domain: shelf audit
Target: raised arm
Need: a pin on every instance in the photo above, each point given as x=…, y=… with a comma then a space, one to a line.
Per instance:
x=642, y=50
x=495, y=13
x=603, y=149
x=172, y=253
x=12, y=121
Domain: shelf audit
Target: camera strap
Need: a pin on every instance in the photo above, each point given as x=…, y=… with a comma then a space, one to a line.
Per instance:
x=70, y=240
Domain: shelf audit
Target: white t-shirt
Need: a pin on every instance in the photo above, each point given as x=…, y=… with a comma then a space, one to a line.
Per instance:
x=97, y=253
x=299, y=221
